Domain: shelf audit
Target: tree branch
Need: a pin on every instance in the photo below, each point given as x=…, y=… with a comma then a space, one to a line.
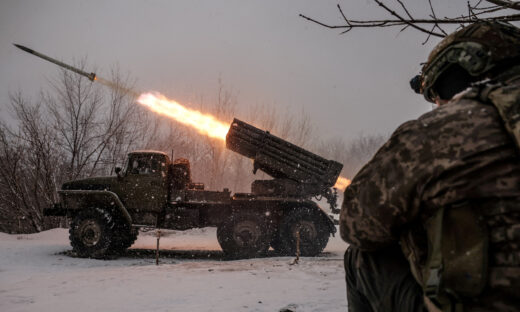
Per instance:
x=396, y=22
x=515, y=5
x=475, y=13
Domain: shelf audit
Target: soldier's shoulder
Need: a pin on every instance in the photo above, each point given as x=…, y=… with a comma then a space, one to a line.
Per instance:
x=459, y=108
x=427, y=120
x=408, y=126
x=446, y=116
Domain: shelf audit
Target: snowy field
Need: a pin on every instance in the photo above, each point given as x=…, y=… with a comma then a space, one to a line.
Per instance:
x=37, y=273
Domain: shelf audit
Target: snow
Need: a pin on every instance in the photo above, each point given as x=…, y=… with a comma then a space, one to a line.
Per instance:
x=38, y=273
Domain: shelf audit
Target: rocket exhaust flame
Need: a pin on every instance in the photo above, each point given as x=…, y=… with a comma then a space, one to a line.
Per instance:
x=203, y=123
x=342, y=183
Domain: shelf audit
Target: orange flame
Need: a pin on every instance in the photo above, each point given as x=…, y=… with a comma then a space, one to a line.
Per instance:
x=205, y=124
x=342, y=183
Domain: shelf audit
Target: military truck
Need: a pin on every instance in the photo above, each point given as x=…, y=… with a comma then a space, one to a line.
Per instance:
x=154, y=191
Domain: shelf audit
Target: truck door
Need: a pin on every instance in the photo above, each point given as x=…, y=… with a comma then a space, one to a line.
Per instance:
x=144, y=184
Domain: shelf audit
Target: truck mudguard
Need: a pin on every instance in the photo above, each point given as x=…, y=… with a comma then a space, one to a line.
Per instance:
x=79, y=199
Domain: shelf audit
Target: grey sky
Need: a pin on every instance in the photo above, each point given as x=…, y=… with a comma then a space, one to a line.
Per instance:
x=349, y=84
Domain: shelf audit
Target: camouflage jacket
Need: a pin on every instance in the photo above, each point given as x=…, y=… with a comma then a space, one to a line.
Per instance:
x=458, y=152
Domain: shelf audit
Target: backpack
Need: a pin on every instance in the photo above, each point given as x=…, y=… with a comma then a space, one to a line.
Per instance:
x=456, y=263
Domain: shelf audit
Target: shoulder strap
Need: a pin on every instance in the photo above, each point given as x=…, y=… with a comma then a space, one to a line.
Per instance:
x=433, y=269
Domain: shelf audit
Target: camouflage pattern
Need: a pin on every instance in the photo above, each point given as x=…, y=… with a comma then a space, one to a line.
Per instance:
x=477, y=48
x=506, y=99
x=456, y=153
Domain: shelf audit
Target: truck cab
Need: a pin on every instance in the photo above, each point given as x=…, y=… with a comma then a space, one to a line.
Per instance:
x=143, y=185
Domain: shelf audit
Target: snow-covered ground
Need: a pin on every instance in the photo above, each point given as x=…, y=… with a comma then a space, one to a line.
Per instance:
x=37, y=273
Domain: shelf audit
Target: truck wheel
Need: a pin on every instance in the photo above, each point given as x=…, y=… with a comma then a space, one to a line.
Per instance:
x=244, y=235
x=130, y=238
x=123, y=238
x=314, y=233
x=91, y=233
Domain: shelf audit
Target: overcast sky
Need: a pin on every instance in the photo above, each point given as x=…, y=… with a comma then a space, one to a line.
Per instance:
x=348, y=84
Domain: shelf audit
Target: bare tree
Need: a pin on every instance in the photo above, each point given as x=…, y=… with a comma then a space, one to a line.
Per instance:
x=125, y=126
x=353, y=154
x=96, y=128
x=217, y=156
x=29, y=167
x=432, y=25
x=74, y=106
x=74, y=130
x=361, y=150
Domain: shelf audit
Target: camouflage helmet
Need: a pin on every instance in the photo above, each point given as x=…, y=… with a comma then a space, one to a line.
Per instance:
x=476, y=48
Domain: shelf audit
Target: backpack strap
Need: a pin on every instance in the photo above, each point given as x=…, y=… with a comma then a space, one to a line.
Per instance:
x=506, y=99
x=434, y=268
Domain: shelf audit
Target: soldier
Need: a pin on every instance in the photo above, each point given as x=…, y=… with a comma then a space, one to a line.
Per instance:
x=433, y=220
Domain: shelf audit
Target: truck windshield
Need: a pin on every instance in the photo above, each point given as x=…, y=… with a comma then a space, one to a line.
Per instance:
x=145, y=164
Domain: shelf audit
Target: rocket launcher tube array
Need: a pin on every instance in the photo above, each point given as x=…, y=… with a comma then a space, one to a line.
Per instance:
x=279, y=158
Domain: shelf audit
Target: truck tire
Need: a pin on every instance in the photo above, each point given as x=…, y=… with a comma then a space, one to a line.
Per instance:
x=124, y=237
x=91, y=233
x=313, y=231
x=244, y=235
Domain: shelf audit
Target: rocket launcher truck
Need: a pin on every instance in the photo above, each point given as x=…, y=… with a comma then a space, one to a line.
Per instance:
x=154, y=191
